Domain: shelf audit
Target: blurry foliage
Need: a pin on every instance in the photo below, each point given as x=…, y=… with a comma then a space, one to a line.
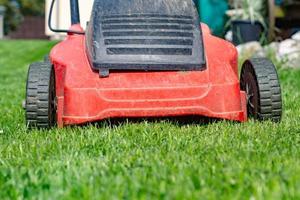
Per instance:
x=17, y=9
x=13, y=15
x=249, y=10
x=32, y=7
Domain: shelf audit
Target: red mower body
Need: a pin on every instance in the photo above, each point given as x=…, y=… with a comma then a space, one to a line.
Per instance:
x=82, y=96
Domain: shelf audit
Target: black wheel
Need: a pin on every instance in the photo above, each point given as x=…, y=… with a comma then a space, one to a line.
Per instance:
x=40, y=96
x=260, y=81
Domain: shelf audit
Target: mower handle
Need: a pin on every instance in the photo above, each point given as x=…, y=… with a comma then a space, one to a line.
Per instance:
x=75, y=18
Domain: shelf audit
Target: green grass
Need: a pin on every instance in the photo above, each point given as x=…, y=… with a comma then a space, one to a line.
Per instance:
x=146, y=160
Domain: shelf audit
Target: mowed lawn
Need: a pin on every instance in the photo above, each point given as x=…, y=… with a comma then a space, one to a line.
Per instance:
x=143, y=160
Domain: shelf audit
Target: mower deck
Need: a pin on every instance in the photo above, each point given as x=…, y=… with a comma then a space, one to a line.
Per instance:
x=82, y=96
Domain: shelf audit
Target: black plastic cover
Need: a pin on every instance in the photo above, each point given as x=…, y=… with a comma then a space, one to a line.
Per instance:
x=145, y=35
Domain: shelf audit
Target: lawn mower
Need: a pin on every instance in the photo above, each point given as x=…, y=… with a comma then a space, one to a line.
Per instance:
x=145, y=59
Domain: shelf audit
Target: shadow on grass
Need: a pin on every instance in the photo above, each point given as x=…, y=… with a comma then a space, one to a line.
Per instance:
x=176, y=121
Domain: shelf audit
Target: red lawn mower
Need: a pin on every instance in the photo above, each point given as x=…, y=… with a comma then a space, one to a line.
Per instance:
x=146, y=58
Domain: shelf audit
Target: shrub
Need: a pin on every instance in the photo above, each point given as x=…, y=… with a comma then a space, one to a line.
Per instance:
x=16, y=9
x=32, y=7
x=12, y=16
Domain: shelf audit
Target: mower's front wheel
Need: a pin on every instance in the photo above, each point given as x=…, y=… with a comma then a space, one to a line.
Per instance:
x=260, y=81
x=40, y=96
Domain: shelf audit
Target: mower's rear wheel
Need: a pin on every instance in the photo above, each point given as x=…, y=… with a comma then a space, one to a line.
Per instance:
x=40, y=96
x=259, y=79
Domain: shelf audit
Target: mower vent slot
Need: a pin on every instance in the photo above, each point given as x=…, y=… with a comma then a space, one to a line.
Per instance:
x=149, y=41
x=147, y=16
x=147, y=20
x=149, y=51
x=148, y=34
x=166, y=26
